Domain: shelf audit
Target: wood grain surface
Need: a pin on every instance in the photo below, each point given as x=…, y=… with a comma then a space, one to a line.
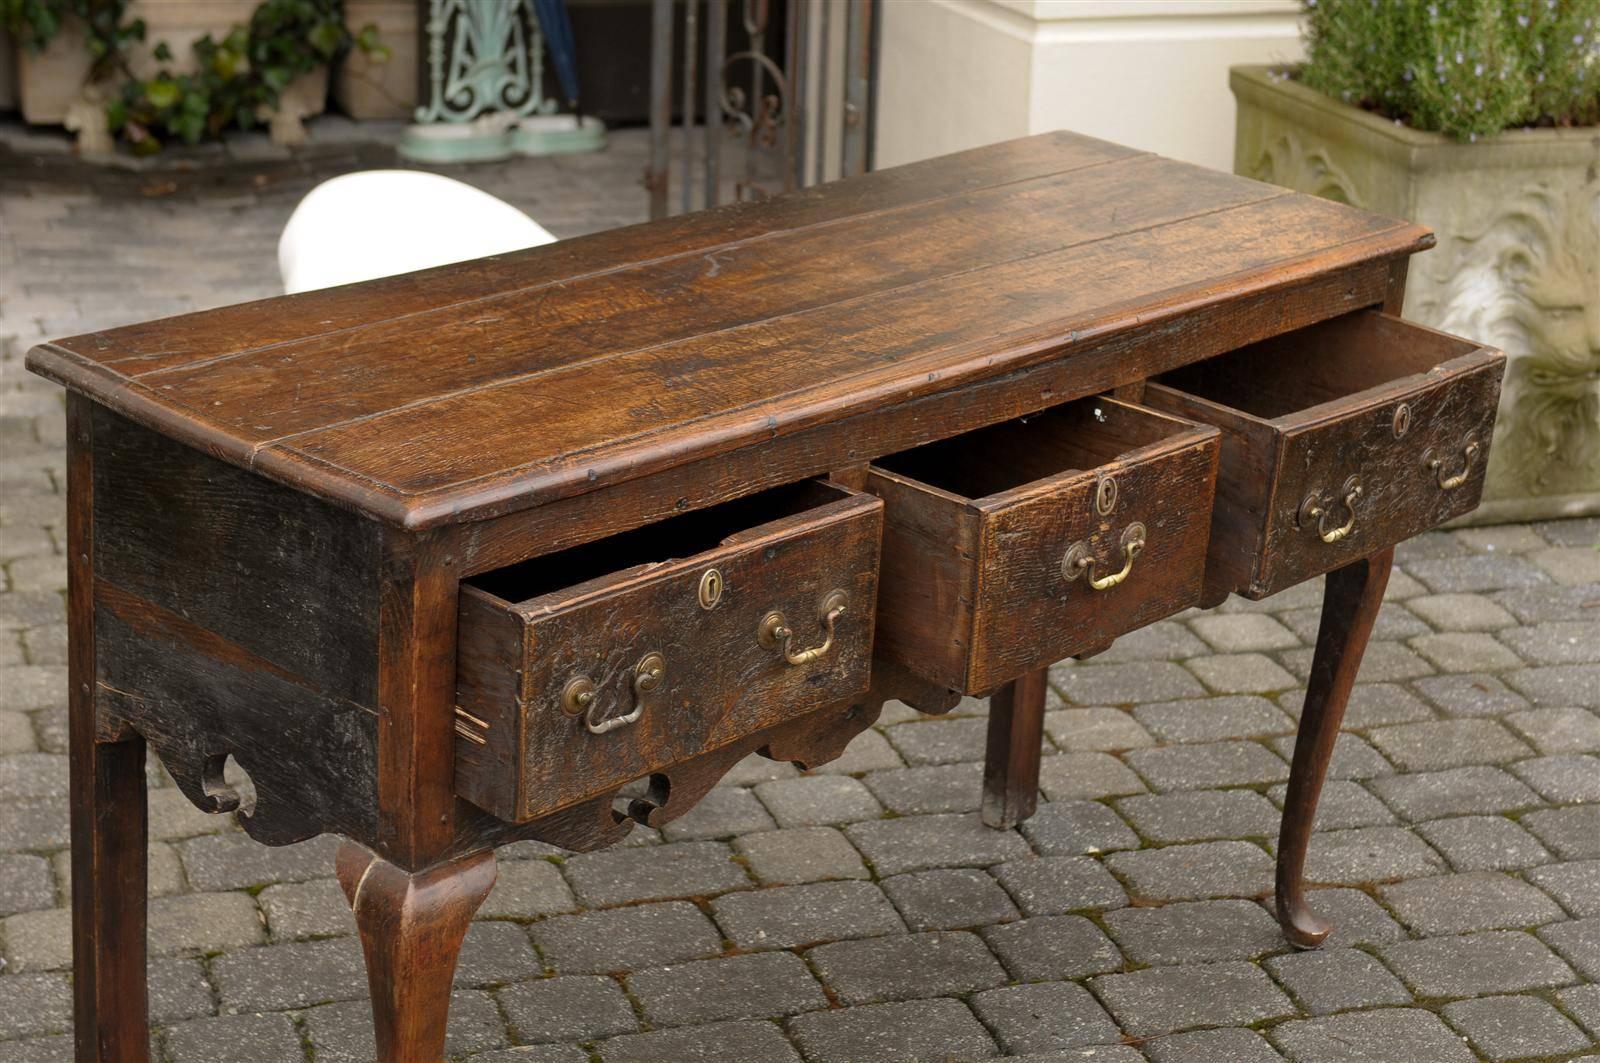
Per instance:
x=597, y=361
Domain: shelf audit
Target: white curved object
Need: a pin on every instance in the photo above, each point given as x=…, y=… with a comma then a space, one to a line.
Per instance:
x=382, y=222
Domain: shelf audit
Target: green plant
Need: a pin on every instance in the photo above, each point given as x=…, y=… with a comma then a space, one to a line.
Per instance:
x=107, y=30
x=1466, y=68
x=237, y=79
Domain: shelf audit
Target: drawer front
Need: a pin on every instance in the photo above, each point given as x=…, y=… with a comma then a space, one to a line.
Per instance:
x=1397, y=464
x=979, y=590
x=1057, y=576
x=1339, y=440
x=625, y=677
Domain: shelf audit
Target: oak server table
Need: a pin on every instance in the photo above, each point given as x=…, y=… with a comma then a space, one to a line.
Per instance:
x=540, y=545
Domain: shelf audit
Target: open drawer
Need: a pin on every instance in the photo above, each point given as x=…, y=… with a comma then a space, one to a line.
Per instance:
x=1011, y=547
x=584, y=670
x=1338, y=440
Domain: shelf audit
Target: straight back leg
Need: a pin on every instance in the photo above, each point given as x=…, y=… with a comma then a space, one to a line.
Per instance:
x=108, y=813
x=1011, y=756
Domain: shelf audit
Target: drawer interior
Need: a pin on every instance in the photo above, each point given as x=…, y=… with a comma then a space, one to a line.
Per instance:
x=1326, y=362
x=669, y=540
x=976, y=528
x=1075, y=436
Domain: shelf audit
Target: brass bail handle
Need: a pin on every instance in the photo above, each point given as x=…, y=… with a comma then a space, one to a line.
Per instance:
x=775, y=634
x=1312, y=509
x=1080, y=562
x=579, y=695
x=1435, y=465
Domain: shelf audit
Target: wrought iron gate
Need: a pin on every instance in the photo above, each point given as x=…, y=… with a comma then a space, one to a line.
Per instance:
x=796, y=120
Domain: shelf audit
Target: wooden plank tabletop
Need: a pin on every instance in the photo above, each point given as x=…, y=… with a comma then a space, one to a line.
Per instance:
x=457, y=392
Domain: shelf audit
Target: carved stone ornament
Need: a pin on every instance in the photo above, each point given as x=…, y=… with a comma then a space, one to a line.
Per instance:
x=1517, y=265
x=1525, y=281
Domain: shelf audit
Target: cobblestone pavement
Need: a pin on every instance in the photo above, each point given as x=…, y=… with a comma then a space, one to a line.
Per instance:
x=860, y=912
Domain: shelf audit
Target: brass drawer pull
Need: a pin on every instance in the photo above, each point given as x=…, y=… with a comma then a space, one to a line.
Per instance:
x=579, y=695
x=1312, y=509
x=1079, y=561
x=775, y=634
x=1436, y=465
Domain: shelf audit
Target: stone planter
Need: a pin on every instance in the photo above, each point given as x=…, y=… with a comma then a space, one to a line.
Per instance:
x=365, y=89
x=1517, y=264
x=51, y=84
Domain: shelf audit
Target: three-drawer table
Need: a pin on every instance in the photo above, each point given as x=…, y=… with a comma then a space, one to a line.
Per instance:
x=540, y=545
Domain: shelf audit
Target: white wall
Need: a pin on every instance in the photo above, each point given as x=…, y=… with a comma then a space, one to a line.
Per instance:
x=1152, y=74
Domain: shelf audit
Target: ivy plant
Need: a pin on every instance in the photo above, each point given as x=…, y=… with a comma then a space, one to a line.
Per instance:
x=238, y=78
x=107, y=29
x=233, y=82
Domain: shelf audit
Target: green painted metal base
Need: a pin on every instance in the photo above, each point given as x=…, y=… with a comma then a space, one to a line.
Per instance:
x=553, y=134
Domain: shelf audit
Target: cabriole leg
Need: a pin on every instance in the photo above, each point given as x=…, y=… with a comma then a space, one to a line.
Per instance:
x=1349, y=609
x=411, y=929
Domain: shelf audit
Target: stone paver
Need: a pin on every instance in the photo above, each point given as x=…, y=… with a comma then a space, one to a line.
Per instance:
x=801, y=915
x=626, y=938
x=1483, y=843
x=1576, y=885
x=809, y=854
x=1203, y=816
x=1190, y=872
x=726, y=1042
x=1459, y=791
x=1194, y=932
x=1086, y=776
x=738, y=987
x=1369, y=854
x=1045, y=1017
x=626, y=875
x=949, y=899
x=1578, y=942
x=895, y=1033
x=1200, y=767
x=1053, y=885
x=1096, y=730
x=906, y=966
x=1480, y=900
x=1392, y=1035
x=1558, y=730
x=1053, y=947
x=1167, y=999
x=342, y=1032
x=1213, y=719
x=1337, y=980
x=1448, y=744
x=1067, y=828
x=1212, y=1046
x=1495, y=961
x=1573, y=833
x=862, y=911
x=571, y=1008
x=1515, y=1027
x=914, y=843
